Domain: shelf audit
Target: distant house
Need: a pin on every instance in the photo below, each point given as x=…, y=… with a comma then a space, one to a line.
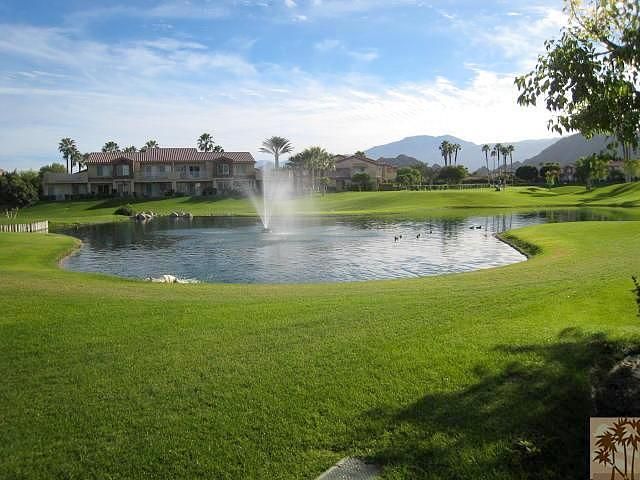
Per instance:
x=348, y=166
x=155, y=172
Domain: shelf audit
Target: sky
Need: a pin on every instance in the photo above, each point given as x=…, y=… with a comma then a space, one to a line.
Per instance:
x=345, y=75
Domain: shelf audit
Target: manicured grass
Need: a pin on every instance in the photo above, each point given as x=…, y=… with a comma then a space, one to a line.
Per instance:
x=434, y=377
x=409, y=204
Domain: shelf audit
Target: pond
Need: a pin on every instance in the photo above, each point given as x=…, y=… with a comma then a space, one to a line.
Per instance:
x=236, y=250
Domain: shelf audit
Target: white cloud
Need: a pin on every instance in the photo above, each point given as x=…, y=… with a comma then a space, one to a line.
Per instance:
x=290, y=3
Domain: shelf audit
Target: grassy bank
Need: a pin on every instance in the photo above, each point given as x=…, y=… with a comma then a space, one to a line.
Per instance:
x=409, y=204
x=434, y=377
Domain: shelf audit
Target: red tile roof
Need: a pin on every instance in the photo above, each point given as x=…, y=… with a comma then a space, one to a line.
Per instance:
x=168, y=155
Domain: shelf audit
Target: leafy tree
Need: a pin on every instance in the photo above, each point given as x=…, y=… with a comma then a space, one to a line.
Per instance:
x=409, y=176
x=317, y=161
x=360, y=154
x=53, y=168
x=362, y=180
x=592, y=167
x=589, y=77
x=276, y=146
x=429, y=173
x=551, y=173
x=110, y=147
x=453, y=174
x=67, y=147
x=19, y=189
x=528, y=173
x=218, y=149
x=631, y=169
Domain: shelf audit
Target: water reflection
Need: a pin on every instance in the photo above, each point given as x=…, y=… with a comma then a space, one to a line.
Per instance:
x=227, y=249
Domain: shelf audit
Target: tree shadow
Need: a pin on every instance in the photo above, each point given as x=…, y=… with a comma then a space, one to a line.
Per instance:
x=529, y=420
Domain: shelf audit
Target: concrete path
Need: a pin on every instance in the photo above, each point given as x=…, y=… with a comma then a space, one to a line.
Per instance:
x=351, y=469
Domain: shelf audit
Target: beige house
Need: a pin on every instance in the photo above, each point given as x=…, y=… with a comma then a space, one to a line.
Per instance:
x=348, y=166
x=156, y=172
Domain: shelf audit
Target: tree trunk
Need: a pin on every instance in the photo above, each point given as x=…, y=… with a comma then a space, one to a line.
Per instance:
x=276, y=156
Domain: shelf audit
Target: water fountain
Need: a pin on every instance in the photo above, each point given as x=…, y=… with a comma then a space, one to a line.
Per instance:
x=276, y=198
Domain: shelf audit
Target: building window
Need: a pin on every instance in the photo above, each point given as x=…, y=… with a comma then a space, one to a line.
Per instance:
x=194, y=171
x=147, y=171
x=223, y=169
x=122, y=170
x=103, y=170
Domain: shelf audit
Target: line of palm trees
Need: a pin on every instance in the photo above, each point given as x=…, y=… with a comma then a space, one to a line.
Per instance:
x=449, y=152
x=495, y=151
x=314, y=160
x=74, y=158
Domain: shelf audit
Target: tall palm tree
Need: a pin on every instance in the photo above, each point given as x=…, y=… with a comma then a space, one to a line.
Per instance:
x=276, y=146
x=150, y=144
x=505, y=154
x=497, y=148
x=110, y=146
x=485, y=149
x=205, y=142
x=78, y=159
x=456, y=147
x=67, y=147
x=131, y=149
x=510, y=149
x=445, y=152
x=218, y=149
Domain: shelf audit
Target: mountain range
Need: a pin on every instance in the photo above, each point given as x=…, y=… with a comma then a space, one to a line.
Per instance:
x=531, y=152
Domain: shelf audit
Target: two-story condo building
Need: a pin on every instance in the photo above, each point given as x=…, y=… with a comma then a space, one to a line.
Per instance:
x=347, y=166
x=156, y=172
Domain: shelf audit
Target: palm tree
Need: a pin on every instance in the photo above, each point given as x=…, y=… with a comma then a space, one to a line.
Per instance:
x=497, y=148
x=67, y=147
x=510, y=149
x=150, y=144
x=205, y=142
x=456, y=147
x=276, y=146
x=131, y=149
x=110, y=146
x=485, y=149
x=218, y=149
x=78, y=159
x=445, y=151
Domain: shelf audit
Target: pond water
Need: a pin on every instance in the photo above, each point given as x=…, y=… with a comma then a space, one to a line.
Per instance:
x=235, y=250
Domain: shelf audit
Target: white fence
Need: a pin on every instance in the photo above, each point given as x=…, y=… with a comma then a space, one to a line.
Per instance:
x=42, y=227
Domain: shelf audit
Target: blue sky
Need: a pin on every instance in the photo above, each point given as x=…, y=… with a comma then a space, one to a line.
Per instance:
x=345, y=75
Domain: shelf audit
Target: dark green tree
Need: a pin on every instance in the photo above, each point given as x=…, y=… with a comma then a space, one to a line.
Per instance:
x=589, y=76
x=452, y=174
x=528, y=173
x=593, y=167
x=409, y=176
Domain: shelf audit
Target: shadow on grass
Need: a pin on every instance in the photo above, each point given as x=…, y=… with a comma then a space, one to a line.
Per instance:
x=529, y=420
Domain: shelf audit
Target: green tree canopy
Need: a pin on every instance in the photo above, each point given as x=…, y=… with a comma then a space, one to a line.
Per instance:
x=452, y=174
x=409, y=176
x=276, y=146
x=592, y=167
x=589, y=77
x=528, y=173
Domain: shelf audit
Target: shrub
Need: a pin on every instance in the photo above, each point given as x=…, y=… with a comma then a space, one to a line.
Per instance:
x=126, y=210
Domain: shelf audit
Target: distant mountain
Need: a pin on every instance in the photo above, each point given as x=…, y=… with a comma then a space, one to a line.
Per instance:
x=400, y=161
x=425, y=149
x=567, y=150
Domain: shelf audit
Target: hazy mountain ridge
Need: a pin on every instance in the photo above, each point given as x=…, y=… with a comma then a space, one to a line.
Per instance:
x=569, y=149
x=425, y=149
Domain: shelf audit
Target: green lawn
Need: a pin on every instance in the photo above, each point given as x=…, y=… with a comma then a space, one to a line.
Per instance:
x=434, y=377
x=409, y=204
